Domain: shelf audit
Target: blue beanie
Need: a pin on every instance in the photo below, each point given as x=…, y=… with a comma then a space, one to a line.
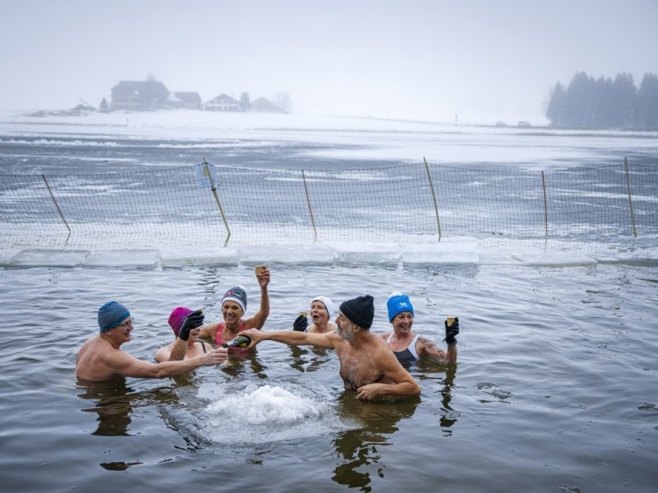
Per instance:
x=398, y=303
x=111, y=314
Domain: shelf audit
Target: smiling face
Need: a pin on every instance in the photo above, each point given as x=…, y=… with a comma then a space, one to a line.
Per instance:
x=402, y=323
x=121, y=333
x=319, y=313
x=232, y=312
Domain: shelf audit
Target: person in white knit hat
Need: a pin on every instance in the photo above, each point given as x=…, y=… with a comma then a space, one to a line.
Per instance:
x=321, y=313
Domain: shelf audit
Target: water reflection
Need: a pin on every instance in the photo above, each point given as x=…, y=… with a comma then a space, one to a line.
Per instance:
x=303, y=362
x=112, y=403
x=425, y=371
x=448, y=414
x=359, y=448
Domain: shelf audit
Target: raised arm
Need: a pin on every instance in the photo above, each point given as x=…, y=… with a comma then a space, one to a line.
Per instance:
x=259, y=318
x=428, y=348
x=176, y=351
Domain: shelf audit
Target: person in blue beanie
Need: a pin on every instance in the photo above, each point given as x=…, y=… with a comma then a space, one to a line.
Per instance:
x=407, y=345
x=100, y=358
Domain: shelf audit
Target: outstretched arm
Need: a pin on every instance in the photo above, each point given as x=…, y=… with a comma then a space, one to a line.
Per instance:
x=124, y=364
x=291, y=337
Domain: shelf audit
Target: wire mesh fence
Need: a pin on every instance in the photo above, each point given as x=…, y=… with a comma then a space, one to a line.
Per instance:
x=211, y=205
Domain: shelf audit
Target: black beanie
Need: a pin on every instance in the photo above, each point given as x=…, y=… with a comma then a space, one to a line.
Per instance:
x=360, y=310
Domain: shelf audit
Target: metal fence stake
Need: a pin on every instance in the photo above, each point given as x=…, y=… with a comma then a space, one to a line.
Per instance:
x=213, y=187
x=436, y=207
x=630, y=201
x=310, y=210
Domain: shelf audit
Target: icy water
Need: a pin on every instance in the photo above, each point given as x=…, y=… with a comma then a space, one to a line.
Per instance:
x=555, y=388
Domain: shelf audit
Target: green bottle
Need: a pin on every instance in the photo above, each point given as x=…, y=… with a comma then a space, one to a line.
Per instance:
x=240, y=341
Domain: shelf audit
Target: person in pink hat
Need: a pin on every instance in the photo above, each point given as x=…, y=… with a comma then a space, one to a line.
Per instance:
x=184, y=347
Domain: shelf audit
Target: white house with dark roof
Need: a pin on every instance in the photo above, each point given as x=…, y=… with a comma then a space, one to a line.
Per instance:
x=185, y=99
x=223, y=102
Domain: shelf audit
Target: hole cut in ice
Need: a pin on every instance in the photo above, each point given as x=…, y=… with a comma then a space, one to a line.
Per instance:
x=270, y=413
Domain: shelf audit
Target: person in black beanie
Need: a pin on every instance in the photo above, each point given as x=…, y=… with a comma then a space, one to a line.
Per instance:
x=367, y=365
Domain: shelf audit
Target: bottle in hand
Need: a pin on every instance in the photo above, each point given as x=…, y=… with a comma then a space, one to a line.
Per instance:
x=240, y=341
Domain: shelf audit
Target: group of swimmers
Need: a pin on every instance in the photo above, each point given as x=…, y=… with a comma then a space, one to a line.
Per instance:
x=371, y=364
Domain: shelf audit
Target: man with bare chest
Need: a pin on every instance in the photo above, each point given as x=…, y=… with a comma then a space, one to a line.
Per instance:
x=367, y=365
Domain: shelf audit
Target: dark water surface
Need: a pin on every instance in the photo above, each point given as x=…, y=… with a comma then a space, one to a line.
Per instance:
x=554, y=391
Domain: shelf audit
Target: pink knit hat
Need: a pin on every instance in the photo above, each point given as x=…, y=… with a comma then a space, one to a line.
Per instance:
x=177, y=317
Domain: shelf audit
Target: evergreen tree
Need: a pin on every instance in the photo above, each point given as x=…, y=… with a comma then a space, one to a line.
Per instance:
x=647, y=103
x=555, y=110
x=605, y=103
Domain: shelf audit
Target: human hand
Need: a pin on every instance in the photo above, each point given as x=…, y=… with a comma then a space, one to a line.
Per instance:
x=368, y=392
x=301, y=323
x=215, y=357
x=263, y=276
x=192, y=321
x=451, y=332
x=255, y=335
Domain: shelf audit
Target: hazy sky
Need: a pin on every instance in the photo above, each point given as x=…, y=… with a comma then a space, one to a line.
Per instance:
x=482, y=60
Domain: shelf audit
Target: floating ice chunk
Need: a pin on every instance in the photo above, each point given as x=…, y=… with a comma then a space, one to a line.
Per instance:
x=287, y=254
x=200, y=257
x=359, y=253
x=145, y=259
x=444, y=252
x=49, y=258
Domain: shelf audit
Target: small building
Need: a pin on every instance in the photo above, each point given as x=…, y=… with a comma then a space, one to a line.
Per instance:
x=262, y=105
x=184, y=99
x=223, y=102
x=139, y=95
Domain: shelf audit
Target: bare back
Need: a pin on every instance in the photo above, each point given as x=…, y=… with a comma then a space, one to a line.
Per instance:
x=94, y=360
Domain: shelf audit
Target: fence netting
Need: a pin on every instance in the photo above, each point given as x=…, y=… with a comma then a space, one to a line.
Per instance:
x=207, y=205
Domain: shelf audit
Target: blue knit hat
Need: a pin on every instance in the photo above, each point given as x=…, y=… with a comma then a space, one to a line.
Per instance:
x=398, y=303
x=111, y=314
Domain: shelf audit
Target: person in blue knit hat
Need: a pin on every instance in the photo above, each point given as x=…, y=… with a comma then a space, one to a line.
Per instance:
x=367, y=365
x=407, y=345
x=100, y=358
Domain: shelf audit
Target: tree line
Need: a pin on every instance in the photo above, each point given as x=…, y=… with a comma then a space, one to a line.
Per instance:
x=604, y=103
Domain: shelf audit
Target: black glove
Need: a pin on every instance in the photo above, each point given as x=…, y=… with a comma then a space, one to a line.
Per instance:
x=193, y=320
x=451, y=332
x=300, y=324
